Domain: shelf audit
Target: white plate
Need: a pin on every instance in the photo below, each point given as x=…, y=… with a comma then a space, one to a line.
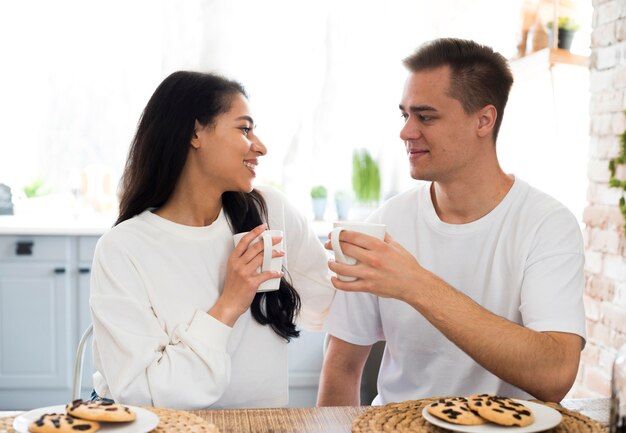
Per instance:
x=545, y=418
x=145, y=421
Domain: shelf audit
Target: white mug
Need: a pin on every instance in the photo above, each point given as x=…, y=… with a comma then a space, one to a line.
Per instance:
x=375, y=230
x=269, y=263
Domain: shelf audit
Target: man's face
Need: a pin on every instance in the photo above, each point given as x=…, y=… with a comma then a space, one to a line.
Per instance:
x=440, y=138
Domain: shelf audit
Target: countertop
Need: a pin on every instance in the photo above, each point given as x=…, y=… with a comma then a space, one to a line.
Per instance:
x=92, y=225
x=55, y=225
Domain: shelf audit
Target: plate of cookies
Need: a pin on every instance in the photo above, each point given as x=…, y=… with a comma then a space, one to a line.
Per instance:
x=490, y=413
x=88, y=417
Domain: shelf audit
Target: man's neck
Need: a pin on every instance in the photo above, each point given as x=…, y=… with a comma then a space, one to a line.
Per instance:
x=463, y=201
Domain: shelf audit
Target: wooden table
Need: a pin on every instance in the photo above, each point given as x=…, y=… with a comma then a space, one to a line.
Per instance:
x=338, y=419
x=331, y=419
x=289, y=420
x=595, y=408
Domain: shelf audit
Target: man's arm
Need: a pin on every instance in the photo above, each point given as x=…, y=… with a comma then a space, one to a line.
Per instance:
x=340, y=380
x=543, y=364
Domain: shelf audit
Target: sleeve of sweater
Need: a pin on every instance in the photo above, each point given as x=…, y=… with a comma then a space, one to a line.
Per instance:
x=143, y=363
x=306, y=260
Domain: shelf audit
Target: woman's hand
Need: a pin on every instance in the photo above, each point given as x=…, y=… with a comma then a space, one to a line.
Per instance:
x=242, y=279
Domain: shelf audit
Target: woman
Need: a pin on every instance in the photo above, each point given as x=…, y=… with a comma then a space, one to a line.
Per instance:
x=177, y=319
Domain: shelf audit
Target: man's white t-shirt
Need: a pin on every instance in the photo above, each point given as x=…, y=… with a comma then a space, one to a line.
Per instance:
x=153, y=282
x=523, y=261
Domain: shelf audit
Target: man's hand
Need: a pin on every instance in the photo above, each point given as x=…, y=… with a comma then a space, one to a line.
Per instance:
x=385, y=268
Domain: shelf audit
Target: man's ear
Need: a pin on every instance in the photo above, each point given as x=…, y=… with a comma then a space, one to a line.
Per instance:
x=486, y=120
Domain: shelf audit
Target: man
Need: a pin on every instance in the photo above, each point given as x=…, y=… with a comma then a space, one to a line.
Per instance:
x=482, y=291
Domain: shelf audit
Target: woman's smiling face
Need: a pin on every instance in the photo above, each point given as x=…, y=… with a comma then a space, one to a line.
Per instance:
x=227, y=151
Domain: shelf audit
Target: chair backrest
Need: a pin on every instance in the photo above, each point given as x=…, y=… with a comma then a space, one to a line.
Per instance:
x=78, y=362
x=325, y=347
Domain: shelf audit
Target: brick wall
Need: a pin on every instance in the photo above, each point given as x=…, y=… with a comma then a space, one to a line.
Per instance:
x=605, y=243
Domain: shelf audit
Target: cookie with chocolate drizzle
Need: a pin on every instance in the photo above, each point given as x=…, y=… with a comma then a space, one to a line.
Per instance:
x=501, y=410
x=62, y=423
x=100, y=411
x=454, y=410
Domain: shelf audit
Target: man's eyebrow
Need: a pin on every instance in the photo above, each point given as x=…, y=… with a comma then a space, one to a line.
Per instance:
x=418, y=108
x=248, y=118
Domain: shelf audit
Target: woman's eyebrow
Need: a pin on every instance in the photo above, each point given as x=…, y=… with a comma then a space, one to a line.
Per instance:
x=248, y=118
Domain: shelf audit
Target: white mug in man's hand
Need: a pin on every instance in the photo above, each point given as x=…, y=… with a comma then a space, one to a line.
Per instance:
x=375, y=230
x=269, y=263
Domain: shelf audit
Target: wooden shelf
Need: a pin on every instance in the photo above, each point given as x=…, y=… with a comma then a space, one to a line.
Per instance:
x=550, y=57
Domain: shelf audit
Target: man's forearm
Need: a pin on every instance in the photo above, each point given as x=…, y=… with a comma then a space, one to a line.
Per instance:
x=543, y=364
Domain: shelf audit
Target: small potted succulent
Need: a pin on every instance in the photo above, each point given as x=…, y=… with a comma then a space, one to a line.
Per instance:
x=567, y=27
x=343, y=202
x=318, y=198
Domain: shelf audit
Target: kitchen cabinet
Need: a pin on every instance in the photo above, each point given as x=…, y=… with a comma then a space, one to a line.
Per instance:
x=44, y=310
x=44, y=295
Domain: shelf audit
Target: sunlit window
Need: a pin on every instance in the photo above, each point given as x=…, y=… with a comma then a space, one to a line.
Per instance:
x=324, y=78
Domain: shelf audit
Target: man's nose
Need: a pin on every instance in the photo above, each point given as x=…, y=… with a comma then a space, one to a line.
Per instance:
x=409, y=131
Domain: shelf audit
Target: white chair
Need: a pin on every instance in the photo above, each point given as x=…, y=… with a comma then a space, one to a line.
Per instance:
x=325, y=347
x=78, y=363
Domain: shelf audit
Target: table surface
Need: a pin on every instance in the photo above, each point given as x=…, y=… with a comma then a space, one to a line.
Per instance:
x=339, y=419
x=332, y=419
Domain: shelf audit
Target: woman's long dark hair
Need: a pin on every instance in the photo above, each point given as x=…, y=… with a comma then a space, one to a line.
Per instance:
x=156, y=159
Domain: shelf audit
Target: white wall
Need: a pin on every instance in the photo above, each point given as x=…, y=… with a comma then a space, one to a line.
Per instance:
x=324, y=76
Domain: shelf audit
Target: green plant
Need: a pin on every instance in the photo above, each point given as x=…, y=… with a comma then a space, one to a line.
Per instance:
x=619, y=183
x=319, y=191
x=365, y=176
x=35, y=188
x=565, y=23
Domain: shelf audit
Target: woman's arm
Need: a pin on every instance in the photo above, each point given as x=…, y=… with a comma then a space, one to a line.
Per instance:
x=142, y=362
x=306, y=260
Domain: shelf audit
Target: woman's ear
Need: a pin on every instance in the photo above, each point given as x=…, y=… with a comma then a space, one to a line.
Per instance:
x=486, y=120
x=195, y=141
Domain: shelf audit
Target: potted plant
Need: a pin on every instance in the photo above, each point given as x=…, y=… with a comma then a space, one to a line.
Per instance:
x=35, y=189
x=365, y=177
x=318, y=198
x=343, y=202
x=567, y=27
x=6, y=201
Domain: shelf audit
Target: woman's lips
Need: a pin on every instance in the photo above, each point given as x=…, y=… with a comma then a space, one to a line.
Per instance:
x=251, y=165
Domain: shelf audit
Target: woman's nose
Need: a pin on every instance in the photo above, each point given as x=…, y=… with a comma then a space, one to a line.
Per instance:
x=258, y=146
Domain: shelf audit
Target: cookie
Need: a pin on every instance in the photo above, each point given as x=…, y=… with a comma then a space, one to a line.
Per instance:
x=454, y=410
x=100, y=411
x=61, y=423
x=501, y=410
